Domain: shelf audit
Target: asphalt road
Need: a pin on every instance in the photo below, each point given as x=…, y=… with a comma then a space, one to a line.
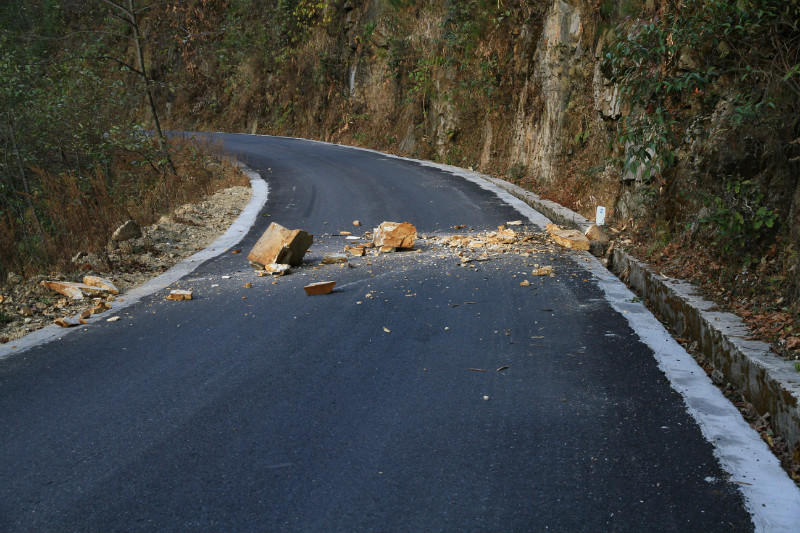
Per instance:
x=263, y=409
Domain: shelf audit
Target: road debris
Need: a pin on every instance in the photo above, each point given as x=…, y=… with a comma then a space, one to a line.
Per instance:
x=333, y=258
x=395, y=235
x=320, y=287
x=543, y=271
x=358, y=251
x=478, y=369
x=387, y=330
x=275, y=269
x=114, y=319
x=280, y=245
x=356, y=222
x=568, y=238
x=179, y=295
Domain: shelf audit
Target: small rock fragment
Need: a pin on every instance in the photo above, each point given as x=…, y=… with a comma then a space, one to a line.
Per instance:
x=248, y=285
x=179, y=295
x=321, y=287
x=330, y=259
x=67, y=322
x=596, y=233
x=387, y=330
x=277, y=269
x=100, y=283
x=525, y=283
x=356, y=222
x=127, y=231
x=387, y=249
x=86, y=314
x=357, y=251
x=542, y=271
x=345, y=233
x=113, y=319
x=101, y=307
x=514, y=223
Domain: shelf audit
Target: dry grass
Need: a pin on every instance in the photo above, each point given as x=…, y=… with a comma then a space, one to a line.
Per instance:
x=79, y=212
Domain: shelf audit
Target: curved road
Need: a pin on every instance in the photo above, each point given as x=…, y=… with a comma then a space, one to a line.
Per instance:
x=263, y=409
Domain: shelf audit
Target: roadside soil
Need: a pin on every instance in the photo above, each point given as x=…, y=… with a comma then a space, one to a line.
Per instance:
x=26, y=305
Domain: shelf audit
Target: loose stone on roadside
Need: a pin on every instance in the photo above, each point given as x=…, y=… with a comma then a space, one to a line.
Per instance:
x=568, y=238
x=180, y=294
x=127, y=231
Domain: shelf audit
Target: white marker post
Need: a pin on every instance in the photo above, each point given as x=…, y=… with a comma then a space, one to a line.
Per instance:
x=600, y=217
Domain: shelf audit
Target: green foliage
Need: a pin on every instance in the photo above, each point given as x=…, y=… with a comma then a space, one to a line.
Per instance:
x=739, y=217
x=665, y=64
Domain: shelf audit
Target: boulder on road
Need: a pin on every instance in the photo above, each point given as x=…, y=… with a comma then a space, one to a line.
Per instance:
x=280, y=245
x=395, y=235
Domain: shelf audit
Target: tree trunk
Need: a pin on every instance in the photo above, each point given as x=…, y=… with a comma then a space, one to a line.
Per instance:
x=130, y=13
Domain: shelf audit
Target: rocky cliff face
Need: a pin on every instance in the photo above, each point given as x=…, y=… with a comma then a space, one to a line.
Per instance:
x=514, y=88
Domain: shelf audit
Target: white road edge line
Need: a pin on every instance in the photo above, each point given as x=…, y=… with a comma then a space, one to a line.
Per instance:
x=771, y=498
x=234, y=234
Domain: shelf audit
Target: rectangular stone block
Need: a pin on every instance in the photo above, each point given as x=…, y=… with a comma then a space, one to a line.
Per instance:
x=280, y=245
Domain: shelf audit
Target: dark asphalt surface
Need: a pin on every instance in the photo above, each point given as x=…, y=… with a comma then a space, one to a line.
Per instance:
x=263, y=409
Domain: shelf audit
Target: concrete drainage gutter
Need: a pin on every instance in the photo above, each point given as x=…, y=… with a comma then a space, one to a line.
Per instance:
x=770, y=382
